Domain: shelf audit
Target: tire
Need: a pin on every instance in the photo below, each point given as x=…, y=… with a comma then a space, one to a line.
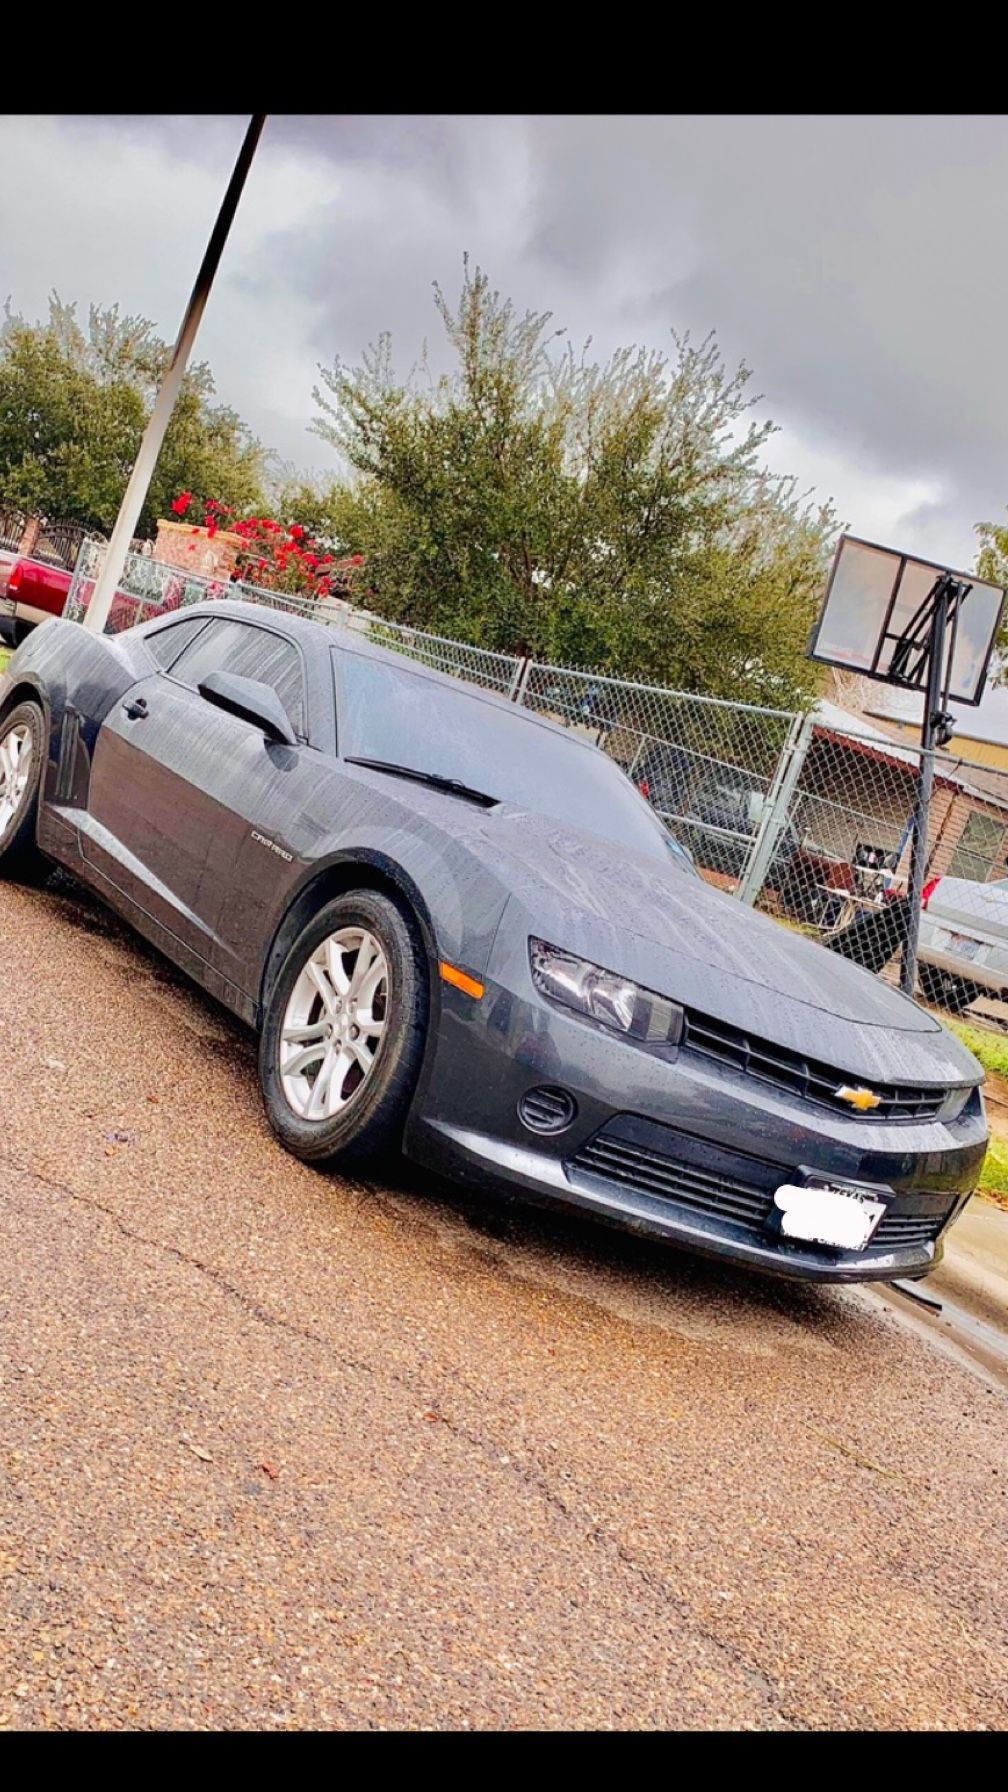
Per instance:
x=945, y=990
x=19, y=854
x=361, y=1113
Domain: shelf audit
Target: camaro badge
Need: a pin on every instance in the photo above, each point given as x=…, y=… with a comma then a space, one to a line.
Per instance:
x=273, y=847
x=862, y=1099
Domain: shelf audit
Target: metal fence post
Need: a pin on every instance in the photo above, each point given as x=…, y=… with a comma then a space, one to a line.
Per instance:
x=519, y=683
x=638, y=756
x=777, y=808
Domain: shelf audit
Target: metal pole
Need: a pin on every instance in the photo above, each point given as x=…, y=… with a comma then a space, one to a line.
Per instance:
x=777, y=811
x=520, y=679
x=126, y=522
x=925, y=786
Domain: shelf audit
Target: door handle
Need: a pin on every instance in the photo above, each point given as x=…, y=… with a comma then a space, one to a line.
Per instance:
x=137, y=709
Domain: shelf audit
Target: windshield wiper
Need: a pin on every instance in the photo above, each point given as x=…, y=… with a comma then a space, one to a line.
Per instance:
x=453, y=786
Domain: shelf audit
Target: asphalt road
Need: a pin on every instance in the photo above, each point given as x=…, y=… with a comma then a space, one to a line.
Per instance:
x=282, y=1450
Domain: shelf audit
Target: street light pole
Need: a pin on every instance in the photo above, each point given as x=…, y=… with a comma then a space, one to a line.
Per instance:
x=126, y=522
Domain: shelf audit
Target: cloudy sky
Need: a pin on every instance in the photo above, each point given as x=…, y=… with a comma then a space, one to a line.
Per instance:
x=857, y=264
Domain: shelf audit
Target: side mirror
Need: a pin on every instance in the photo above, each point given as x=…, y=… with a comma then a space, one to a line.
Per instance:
x=251, y=701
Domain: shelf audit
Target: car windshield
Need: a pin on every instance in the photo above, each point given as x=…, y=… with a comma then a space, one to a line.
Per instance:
x=399, y=716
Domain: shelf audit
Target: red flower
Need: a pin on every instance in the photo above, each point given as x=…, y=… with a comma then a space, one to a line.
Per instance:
x=356, y=560
x=212, y=527
x=181, y=504
x=296, y=531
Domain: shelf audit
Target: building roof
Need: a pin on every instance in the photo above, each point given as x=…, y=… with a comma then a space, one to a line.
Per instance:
x=859, y=736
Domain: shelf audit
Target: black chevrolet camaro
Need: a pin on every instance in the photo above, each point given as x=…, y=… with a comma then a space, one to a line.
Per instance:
x=461, y=932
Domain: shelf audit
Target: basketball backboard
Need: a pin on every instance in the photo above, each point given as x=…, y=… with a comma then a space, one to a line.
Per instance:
x=873, y=600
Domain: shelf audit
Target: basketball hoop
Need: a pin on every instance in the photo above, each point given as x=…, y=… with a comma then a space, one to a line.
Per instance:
x=920, y=627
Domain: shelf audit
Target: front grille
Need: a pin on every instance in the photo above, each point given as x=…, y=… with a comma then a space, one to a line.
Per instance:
x=899, y=1230
x=685, y=1184
x=707, y=1179
x=807, y=1077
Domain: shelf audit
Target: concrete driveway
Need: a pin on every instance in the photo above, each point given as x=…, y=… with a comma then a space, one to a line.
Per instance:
x=283, y=1450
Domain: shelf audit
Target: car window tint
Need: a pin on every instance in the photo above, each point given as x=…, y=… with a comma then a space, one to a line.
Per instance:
x=167, y=643
x=248, y=652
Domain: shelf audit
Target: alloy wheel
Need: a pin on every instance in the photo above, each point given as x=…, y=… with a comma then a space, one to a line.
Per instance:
x=334, y=1024
x=15, y=771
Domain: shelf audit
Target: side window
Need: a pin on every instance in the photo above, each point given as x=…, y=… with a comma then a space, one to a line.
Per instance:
x=167, y=643
x=249, y=652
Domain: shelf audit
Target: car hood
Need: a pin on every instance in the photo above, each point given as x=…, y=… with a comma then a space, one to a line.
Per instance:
x=674, y=933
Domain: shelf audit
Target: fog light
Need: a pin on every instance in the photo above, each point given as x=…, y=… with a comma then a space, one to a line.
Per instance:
x=547, y=1110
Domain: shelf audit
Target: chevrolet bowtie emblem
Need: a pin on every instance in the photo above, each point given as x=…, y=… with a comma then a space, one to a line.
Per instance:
x=862, y=1099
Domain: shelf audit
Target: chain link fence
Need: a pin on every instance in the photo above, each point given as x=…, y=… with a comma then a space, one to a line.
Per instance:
x=151, y=588
x=492, y=671
x=842, y=839
x=807, y=816
x=709, y=767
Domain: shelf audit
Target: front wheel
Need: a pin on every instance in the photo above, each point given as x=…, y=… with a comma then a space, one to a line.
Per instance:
x=344, y=1031
x=22, y=757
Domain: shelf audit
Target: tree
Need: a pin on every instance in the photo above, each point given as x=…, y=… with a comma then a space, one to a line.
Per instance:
x=616, y=515
x=319, y=505
x=992, y=564
x=73, y=406
x=992, y=557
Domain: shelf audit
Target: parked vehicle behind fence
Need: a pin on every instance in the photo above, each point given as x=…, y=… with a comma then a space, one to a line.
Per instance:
x=32, y=591
x=718, y=817
x=963, y=949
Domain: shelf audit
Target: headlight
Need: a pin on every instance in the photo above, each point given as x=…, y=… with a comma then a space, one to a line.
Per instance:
x=601, y=995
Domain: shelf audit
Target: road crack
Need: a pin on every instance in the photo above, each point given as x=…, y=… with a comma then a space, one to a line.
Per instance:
x=531, y=1477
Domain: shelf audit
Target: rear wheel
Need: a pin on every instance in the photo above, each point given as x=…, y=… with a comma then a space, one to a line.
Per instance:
x=22, y=756
x=344, y=1031
x=945, y=990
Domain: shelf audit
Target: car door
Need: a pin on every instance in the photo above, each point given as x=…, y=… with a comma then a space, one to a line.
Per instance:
x=259, y=800
x=142, y=832
x=167, y=767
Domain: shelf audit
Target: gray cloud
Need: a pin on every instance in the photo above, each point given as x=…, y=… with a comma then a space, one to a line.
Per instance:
x=857, y=264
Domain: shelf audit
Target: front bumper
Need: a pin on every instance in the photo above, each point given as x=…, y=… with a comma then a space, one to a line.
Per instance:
x=675, y=1146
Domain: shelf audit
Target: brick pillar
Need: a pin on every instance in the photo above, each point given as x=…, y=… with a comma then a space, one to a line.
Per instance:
x=193, y=549
x=29, y=538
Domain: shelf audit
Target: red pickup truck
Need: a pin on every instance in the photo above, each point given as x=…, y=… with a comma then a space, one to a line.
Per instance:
x=31, y=591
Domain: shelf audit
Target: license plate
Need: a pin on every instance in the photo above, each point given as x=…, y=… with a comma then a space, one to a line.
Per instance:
x=963, y=945
x=841, y=1217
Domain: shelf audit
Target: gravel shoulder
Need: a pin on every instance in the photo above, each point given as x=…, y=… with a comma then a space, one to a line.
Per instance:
x=284, y=1450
